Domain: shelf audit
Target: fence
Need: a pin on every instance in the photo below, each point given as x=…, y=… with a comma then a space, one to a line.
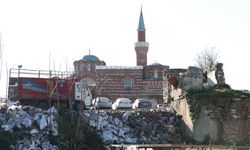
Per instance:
x=15, y=73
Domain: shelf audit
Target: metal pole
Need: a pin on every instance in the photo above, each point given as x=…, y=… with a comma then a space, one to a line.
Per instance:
x=18, y=76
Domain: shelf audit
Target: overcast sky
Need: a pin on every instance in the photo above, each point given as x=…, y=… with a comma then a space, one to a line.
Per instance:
x=177, y=30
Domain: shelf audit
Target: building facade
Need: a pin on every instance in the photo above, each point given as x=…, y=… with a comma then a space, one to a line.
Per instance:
x=140, y=81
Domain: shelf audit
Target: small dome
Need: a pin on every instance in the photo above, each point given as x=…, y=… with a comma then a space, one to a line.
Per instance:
x=90, y=58
x=156, y=64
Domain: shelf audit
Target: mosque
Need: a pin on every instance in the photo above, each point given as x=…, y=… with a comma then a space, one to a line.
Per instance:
x=140, y=81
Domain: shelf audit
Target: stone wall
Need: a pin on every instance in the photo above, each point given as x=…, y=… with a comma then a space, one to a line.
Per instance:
x=182, y=109
x=224, y=122
x=199, y=128
x=236, y=125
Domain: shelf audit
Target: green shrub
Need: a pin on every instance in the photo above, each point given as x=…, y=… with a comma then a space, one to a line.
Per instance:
x=64, y=125
x=6, y=139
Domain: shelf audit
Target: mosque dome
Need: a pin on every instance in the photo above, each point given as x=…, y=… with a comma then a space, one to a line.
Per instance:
x=156, y=64
x=90, y=58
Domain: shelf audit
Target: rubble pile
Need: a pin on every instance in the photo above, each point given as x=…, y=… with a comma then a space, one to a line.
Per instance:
x=135, y=127
x=31, y=126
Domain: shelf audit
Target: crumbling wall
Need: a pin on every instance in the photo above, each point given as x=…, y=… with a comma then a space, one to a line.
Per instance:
x=221, y=122
x=199, y=129
x=182, y=79
x=175, y=84
x=192, y=78
x=181, y=107
x=211, y=79
x=215, y=75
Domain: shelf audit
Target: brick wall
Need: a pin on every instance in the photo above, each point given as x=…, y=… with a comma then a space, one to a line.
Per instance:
x=112, y=85
x=141, y=56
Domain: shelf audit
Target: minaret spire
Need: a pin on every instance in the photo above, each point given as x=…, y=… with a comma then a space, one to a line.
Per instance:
x=141, y=25
x=141, y=46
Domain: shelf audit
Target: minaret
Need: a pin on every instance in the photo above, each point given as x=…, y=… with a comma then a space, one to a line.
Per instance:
x=141, y=47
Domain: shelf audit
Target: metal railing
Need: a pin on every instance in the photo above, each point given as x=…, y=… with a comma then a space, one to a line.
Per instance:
x=17, y=72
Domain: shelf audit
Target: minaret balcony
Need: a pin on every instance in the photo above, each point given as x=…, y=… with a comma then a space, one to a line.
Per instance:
x=141, y=44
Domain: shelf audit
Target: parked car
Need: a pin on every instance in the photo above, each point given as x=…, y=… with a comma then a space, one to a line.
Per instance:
x=142, y=103
x=122, y=103
x=102, y=102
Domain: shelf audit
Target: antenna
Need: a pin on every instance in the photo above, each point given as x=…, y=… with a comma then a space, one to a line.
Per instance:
x=89, y=51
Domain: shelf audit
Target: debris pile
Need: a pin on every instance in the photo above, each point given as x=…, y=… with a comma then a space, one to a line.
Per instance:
x=135, y=127
x=29, y=125
x=32, y=128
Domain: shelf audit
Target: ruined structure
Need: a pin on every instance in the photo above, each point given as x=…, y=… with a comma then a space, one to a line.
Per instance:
x=219, y=73
x=215, y=75
x=181, y=80
x=210, y=111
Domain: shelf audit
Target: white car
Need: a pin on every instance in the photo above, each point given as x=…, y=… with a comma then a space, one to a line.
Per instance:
x=102, y=102
x=142, y=103
x=122, y=103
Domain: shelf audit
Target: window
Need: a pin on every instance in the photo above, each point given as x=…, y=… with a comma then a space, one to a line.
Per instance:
x=128, y=84
x=78, y=68
x=155, y=74
x=88, y=67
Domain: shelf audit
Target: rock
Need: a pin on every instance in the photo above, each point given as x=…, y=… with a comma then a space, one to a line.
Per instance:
x=6, y=127
x=41, y=121
x=108, y=137
x=24, y=118
x=125, y=116
x=33, y=131
x=52, y=110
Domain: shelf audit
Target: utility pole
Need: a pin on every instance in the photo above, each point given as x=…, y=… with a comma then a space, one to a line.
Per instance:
x=18, y=76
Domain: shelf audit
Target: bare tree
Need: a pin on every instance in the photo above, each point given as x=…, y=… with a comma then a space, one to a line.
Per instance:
x=207, y=58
